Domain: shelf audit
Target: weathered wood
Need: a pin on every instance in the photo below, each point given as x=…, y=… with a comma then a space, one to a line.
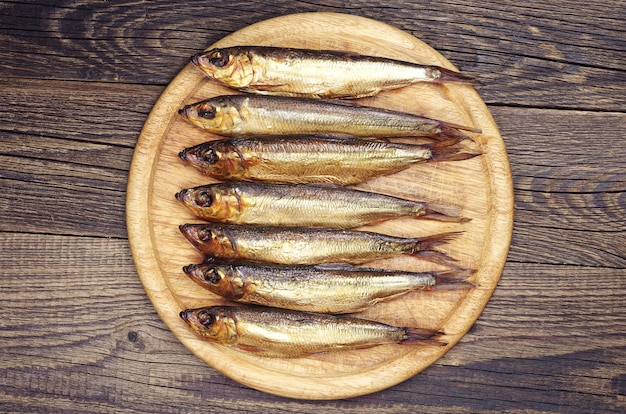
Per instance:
x=24, y=148
x=514, y=51
x=84, y=338
x=569, y=174
x=78, y=80
x=102, y=112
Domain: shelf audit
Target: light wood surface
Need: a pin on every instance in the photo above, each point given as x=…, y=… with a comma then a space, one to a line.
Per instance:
x=482, y=186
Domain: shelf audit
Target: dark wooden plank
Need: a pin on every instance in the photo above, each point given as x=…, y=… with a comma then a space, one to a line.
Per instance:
x=570, y=181
x=542, y=55
x=25, y=147
x=79, y=335
x=84, y=111
x=69, y=208
x=42, y=173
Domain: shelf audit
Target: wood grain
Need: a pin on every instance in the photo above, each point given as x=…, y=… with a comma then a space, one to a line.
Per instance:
x=127, y=358
x=514, y=49
x=552, y=336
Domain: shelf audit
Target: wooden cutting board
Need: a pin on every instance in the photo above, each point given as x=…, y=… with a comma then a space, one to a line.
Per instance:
x=482, y=186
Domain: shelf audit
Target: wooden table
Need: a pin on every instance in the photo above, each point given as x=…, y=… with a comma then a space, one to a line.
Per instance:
x=77, y=331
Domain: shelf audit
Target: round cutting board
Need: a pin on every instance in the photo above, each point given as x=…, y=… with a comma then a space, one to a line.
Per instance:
x=481, y=186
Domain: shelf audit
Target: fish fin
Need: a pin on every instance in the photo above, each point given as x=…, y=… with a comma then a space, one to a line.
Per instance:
x=334, y=266
x=428, y=243
x=443, y=212
x=262, y=88
x=249, y=348
x=449, y=150
x=453, y=279
x=425, y=249
x=449, y=130
x=438, y=258
x=215, y=260
x=451, y=76
x=344, y=53
x=423, y=337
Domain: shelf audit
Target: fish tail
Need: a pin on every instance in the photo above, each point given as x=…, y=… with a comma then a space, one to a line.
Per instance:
x=451, y=76
x=425, y=249
x=453, y=279
x=443, y=212
x=423, y=337
x=450, y=150
x=449, y=130
x=430, y=242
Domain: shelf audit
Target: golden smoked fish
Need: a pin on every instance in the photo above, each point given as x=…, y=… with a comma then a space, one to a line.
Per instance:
x=283, y=333
x=303, y=205
x=308, y=245
x=244, y=115
x=314, y=73
x=313, y=159
x=317, y=289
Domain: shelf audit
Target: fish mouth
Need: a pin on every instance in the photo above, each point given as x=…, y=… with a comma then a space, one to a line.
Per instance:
x=195, y=59
x=183, y=155
x=180, y=196
x=185, y=110
x=185, y=315
x=185, y=228
x=190, y=231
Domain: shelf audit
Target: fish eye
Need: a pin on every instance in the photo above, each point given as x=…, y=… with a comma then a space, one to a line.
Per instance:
x=219, y=59
x=205, y=235
x=207, y=112
x=211, y=276
x=210, y=156
x=206, y=318
x=204, y=199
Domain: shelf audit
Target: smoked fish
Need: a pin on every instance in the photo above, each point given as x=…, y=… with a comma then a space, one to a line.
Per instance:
x=313, y=159
x=314, y=73
x=308, y=245
x=303, y=205
x=245, y=115
x=281, y=333
x=317, y=289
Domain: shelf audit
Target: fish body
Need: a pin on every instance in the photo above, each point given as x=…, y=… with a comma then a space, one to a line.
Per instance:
x=301, y=205
x=307, y=245
x=314, y=73
x=312, y=159
x=316, y=289
x=283, y=333
x=245, y=115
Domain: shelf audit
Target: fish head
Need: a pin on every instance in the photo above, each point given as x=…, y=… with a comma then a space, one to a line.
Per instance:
x=214, y=202
x=223, y=280
x=218, y=159
x=220, y=115
x=231, y=66
x=212, y=241
x=213, y=322
x=200, y=156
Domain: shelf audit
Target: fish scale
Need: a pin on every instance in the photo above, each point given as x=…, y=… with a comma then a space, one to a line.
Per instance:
x=283, y=333
x=244, y=115
x=318, y=289
x=309, y=245
x=315, y=73
x=303, y=205
x=314, y=159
